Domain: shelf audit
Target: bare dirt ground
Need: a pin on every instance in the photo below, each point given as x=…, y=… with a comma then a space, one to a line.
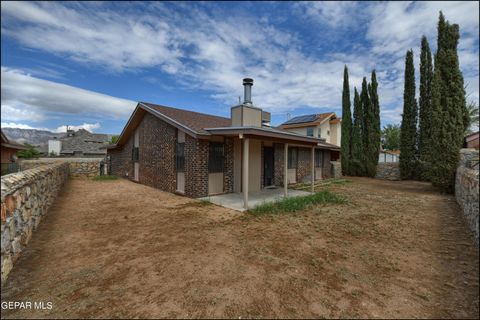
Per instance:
x=119, y=249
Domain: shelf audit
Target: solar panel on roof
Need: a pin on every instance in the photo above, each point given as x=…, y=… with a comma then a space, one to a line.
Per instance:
x=302, y=119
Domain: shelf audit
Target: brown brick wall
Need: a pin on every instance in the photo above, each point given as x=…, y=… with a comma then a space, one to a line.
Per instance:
x=278, y=163
x=304, y=168
x=327, y=167
x=196, y=167
x=157, y=141
x=304, y=164
x=228, y=166
x=121, y=160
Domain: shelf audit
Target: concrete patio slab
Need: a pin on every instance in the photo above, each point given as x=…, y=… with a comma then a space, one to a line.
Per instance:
x=235, y=200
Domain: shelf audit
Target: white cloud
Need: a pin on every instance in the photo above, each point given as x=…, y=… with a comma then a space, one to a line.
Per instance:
x=20, y=126
x=87, y=126
x=206, y=49
x=28, y=98
x=334, y=13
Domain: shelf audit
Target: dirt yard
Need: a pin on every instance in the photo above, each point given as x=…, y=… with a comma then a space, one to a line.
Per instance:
x=120, y=249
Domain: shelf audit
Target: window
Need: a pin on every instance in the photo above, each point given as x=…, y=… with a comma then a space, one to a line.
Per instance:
x=310, y=132
x=328, y=132
x=319, y=132
x=180, y=157
x=292, y=158
x=135, y=154
x=215, y=157
x=318, y=158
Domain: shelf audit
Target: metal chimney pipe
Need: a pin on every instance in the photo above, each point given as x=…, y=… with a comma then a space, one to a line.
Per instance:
x=247, y=85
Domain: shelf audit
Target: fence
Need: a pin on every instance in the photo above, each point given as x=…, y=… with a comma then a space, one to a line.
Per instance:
x=9, y=168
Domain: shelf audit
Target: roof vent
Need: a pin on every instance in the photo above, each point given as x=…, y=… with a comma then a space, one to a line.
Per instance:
x=247, y=85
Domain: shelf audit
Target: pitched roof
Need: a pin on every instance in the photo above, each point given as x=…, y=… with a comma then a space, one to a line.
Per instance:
x=194, y=120
x=201, y=124
x=84, y=141
x=309, y=119
x=11, y=144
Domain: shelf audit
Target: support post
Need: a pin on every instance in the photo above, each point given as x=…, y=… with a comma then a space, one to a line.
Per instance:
x=313, y=169
x=285, y=171
x=245, y=173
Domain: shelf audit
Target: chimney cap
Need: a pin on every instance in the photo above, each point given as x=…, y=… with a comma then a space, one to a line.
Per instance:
x=248, y=81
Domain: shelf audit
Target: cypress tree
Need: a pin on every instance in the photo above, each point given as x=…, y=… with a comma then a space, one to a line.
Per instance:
x=375, y=124
x=425, y=112
x=448, y=108
x=367, y=128
x=346, y=125
x=357, y=163
x=408, y=135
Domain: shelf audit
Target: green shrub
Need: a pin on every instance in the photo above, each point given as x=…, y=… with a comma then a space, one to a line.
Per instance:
x=31, y=152
x=295, y=204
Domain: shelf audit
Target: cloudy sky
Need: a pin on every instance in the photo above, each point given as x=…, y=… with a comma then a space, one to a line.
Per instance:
x=87, y=64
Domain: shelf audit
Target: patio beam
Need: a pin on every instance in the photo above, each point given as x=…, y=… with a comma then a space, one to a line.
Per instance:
x=313, y=169
x=285, y=171
x=245, y=172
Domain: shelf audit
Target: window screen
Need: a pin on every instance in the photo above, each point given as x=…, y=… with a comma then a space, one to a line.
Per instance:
x=180, y=157
x=215, y=157
x=135, y=154
x=318, y=158
x=310, y=132
x=292, y=158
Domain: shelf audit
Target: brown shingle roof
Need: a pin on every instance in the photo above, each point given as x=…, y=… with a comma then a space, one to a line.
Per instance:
x=194, y=120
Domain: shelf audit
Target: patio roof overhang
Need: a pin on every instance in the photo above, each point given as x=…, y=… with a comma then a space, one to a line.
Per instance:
x=273, y=135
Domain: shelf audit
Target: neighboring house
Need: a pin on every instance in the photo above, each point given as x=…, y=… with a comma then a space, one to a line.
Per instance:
x=79, y=143
x=9, y=157
x=322, y=125
x=471, y=141
x=197, y=154
x=388, y=156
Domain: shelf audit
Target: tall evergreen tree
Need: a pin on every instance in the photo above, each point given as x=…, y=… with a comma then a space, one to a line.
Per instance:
x=408, y=135
x=425, y=106
x=346, y=125
x=357, y=164
x=375, y=125
x=368, y=134
x=448, y=107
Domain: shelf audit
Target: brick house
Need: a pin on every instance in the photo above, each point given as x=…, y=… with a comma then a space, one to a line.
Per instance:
x=197, y=154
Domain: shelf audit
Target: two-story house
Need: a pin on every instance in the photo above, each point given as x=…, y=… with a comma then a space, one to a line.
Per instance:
x=323, y=125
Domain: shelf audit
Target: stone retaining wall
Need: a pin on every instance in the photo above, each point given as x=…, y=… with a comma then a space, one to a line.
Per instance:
x=388, y=171
x=79, y=167
x=26, y=197
x=466, y=188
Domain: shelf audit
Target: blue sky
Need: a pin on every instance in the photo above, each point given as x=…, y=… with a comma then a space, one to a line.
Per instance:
x=87, y=64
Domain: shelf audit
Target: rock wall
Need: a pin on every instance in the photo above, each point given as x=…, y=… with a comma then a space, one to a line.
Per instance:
x=336, y=169
x=466, y=188
x=26, y=197
x=388, y=171
x=79, y=167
